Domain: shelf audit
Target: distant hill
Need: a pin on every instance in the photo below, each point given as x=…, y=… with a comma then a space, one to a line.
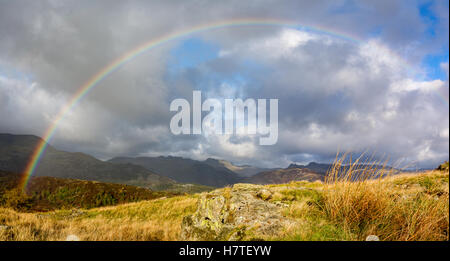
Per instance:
x=358, y=169
x=321, y=168
x=287, y=175
x=184, y=170
x=241, y=171
x=49, y=193
x=15, y=151
x=311, y=172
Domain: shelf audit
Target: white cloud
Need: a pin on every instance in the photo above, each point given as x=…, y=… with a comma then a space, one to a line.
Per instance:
x=409, y=85
x=273, y=47
x=26, y=106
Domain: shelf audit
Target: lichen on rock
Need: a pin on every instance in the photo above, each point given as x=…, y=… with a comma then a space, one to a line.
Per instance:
x=239, y=213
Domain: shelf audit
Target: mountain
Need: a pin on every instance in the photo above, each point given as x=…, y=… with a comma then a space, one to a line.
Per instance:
x=321, y=168
x=242, y=171
x=357, y=173
x=184, y=170
x=15, y=152
x=287, y=175
x=49, y=193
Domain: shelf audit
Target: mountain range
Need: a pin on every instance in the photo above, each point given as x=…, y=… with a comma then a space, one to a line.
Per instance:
x=160, y=173
x=210, y=172
x=16, y=150
x=183, y=170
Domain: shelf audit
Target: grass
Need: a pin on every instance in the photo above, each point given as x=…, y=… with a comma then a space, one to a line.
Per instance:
x=180, y=188
x=158, y=219
x=407, y=207
x=352, y=203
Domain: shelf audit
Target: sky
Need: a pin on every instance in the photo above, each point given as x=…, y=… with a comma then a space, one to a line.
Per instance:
x=349, y=75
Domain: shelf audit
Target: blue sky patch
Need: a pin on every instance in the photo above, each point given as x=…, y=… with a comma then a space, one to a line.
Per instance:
x=432, y=65
x=429, y=17
x=187, y=58
x=190, y=53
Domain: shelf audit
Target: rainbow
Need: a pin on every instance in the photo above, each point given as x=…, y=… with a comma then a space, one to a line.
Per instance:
x=128, y=56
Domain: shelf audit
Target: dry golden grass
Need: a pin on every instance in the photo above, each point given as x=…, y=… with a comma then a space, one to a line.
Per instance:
x=408, y=207
x=367, y=199
x=146, y=220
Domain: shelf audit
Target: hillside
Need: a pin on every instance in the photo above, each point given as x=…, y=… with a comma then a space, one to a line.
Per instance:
x=49, y=193
x=320, y=168
x=323, y=168
x=15, y=151
x=184, y=170
x=244, y=171
x=311, y=172
x=405, y=207
x=287, y=175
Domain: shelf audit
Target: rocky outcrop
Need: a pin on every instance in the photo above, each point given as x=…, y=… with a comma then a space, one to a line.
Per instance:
x=241, y=212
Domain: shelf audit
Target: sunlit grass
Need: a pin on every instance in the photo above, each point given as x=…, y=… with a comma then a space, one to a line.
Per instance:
x=158, y=219
x=352, y=203
x=364, y=199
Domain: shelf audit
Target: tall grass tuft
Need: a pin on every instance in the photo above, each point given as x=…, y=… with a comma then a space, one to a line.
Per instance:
x=357, y=198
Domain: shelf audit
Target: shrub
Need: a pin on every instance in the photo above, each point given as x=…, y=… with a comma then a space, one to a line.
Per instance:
x=16, y=198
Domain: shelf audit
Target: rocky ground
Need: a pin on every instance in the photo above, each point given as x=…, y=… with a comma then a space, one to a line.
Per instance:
x=242, y=211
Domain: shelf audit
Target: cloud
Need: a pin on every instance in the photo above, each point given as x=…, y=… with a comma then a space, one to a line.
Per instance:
x=337, y=95
x=332, y=93
x=410, y=85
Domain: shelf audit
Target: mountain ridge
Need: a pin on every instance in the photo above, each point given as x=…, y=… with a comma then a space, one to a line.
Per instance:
x=16, y=150
x=183, y=170
x=159, y=173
